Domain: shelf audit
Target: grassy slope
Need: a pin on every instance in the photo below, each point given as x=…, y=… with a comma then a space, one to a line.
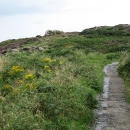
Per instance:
x=124, y=71
x=55, y=89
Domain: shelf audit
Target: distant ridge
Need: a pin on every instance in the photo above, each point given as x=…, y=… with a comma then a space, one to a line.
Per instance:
x=97, y=31
x=117, y=30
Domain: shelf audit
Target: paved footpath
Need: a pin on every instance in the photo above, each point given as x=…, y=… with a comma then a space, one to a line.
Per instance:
x=114, y=113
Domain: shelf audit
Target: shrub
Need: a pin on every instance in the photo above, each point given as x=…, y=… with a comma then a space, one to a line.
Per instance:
x=124, y=71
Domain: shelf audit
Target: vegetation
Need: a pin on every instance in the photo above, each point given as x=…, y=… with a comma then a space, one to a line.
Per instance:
x=124, y=71
x=56, y=88
x=53, y=32
x=118, y=30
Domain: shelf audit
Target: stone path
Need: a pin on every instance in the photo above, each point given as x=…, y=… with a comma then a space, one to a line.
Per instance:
x=114, y=112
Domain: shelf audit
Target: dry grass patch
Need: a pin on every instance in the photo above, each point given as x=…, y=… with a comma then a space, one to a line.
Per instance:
x=3, y=62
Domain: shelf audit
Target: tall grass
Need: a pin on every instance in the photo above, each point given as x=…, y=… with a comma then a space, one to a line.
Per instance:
x=54, y=89
x=124, y=71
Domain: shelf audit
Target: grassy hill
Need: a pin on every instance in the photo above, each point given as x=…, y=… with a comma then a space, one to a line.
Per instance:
x=51, y=82
x=117, y=30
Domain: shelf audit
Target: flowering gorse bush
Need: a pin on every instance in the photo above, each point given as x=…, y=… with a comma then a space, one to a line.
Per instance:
x=46, y=67
x=47, y=60
x=20, y=81
x=30, y=86
x=54, y=60
x=16, y=69
x=60, y=63
x=29, y=76
x=49, y=64
x=50, y=61
x=17, y=80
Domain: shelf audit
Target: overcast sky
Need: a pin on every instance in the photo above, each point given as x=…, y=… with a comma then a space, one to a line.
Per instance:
x=28, y=18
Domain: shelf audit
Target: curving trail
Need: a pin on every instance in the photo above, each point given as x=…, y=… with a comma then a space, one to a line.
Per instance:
x=114, y=111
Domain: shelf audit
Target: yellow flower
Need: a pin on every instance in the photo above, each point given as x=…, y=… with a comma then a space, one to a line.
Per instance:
x=7, y=87
x=46, y=67
x=60, y=63
x=29, y=76
x=49, y=70
x=47, y=60
x=30, y=86
x=54, y=60
x=16, y=69
x=20, y=81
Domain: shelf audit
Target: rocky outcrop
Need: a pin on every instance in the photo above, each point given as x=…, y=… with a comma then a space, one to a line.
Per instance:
x=34, y=48
x=69, y=34
x=60, y=33
x=13, y=46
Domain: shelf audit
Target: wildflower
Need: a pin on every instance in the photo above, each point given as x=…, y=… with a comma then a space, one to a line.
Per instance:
x=7, y=87
x=54, y=60
x=29, y=76
x=60, y=63
x=46, y=67
x=30, y=86
x=47, y=60
x=20, y=81
x=16, y=69
x=49, y=70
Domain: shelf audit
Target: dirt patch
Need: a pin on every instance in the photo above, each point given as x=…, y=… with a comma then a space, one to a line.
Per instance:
x=114, y=112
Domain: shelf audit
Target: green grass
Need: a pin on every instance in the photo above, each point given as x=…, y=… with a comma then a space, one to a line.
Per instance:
x=124, y=71
x=54, y=89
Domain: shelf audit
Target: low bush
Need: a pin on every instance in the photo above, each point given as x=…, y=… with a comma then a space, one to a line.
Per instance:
x=124, y=71
x=54, y=89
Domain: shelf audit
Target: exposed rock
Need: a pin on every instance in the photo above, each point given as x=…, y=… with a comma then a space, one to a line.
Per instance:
x=3, y=51
x=70, y=34
x=40, y=48
x=53, y=32
x=45, y=47
x=14, y=50
x=26, y=49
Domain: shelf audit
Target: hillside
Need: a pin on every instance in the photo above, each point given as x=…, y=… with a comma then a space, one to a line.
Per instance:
x=51, y=82
x=117, y=30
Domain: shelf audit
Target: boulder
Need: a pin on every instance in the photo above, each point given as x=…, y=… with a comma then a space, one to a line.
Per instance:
x=40, y=48
x=14, y=50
